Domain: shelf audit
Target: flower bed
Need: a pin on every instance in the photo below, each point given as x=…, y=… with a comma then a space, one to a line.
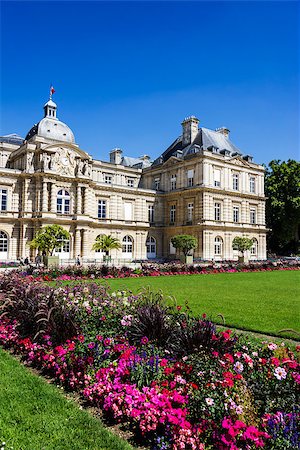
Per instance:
x=174, y=379
x=154, y=270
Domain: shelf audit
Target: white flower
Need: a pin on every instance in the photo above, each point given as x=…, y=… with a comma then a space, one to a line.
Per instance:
x=239, y=409
x=272, y=346
x=238, y=367
x=280, y=373
x=209, y=401
x=113, y=294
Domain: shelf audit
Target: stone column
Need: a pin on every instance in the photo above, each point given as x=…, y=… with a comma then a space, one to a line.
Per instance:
x=23, y=240
x=227, y=246
x=85, y=244
x=45, y=197
x=77, y=243
x=79, y=202
x=53, y=206
x=205, y=180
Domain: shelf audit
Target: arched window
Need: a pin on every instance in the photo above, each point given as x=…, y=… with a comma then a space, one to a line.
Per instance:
x=151, y=247
x=218, y=246
x=63, y=202
x=3, y=245
x=99, y=251
x=65, y=248
x=253, y=249
x=127, y=246
x=172, y=249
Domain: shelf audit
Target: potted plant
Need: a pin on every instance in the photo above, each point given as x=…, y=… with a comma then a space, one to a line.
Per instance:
x=185, y=243
x=106, y=243
x=46, y=240
x=242, y=244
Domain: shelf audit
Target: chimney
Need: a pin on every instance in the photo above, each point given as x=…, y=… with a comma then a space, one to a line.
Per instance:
x=224, y=131
x=189, y=130
x=115, y=156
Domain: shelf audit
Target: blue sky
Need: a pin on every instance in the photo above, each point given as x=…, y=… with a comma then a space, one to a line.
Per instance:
x=127, y=73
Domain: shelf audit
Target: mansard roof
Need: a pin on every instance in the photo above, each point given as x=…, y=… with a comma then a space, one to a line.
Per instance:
x=205, y=139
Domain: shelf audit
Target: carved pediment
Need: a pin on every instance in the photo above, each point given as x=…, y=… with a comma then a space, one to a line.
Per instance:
x=172, y=161
x=238, y=161
x=66, y=161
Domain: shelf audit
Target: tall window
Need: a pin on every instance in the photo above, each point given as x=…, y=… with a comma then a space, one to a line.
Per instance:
x=128, y=211
x=190, y=177
x=173, y=182
x=190, y=212
x=127, y=244
x=172, y=214
x=151, y=247
x=101, y=209
x=236, y=211
x=151, y=213
x=63, y=202
x=235, y=182
x=65, y=248
x=253, y=250
x=252, y=216
x=3, y=242
x=252, y=185
x=217, y=177
x=3, y=199
x=217, y=211
x=156, y=183
x=218, y=245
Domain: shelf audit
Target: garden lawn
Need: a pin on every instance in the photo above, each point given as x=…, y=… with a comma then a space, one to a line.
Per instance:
x=266, y=302
x=35, y=416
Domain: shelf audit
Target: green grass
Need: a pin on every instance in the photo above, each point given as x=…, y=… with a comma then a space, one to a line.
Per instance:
x=266, y=302
x=34, y=415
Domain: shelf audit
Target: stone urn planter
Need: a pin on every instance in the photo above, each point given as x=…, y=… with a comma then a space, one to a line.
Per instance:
x=189, y=259
x=50, y=261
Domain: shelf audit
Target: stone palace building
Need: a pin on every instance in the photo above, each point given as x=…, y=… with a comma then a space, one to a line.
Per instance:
x=201, y=185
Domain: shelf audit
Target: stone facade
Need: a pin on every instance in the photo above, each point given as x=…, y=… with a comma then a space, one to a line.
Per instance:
x=192, y=188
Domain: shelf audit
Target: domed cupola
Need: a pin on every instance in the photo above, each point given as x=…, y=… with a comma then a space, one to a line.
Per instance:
x=50, y=127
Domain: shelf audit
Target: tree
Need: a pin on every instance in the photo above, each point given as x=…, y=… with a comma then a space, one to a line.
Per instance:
x=106, y=243
x=184, y=242
x=282, y=186
x=49, y=238
x=242, y=244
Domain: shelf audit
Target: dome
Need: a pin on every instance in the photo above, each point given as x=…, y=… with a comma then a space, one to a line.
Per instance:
x=50, y=127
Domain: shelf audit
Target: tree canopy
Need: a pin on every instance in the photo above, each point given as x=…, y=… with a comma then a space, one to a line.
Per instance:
x=242, y=244
x=184, y=243
x=49, y=238
x=282, y=188
x=106, y=243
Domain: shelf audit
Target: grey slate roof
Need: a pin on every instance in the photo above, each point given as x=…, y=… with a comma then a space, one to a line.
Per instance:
x=206, y=139
x=12, y=139
x=138, y=163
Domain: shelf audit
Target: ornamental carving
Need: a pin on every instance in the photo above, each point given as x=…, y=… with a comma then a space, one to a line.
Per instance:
x=63, y=162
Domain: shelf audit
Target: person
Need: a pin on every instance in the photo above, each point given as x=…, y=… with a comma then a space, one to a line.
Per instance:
x=78, y=260
x=38, y=260
x=26, y=261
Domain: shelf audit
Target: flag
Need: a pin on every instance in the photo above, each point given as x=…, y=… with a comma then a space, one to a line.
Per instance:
x=52, y=90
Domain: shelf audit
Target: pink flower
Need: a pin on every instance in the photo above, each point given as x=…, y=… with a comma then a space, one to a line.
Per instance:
x=144, y=340
x=91, y=345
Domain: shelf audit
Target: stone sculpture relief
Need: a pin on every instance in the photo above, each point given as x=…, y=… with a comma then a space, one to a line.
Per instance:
x=29, y=162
